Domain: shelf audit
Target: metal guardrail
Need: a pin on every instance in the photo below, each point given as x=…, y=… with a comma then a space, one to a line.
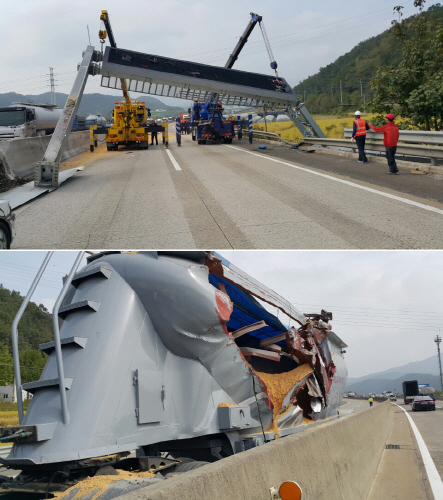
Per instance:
x=415, y=137
x=277, y=136
x=432, y=152
x=408, y=136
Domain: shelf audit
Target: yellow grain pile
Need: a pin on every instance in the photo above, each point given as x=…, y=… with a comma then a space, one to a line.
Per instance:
x=98, y=484
x=279, y=384
x=221, y=405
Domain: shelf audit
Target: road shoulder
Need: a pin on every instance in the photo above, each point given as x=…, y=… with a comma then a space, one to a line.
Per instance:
x=401, y=473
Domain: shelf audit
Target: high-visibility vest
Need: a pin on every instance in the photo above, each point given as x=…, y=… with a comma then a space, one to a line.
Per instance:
x=360, y=127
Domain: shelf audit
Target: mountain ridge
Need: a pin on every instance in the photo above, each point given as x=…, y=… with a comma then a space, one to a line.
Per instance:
x=425, y=371
x=90, y=103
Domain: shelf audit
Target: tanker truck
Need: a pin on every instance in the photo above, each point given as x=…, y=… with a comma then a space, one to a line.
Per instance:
x=98, y=120
x=162, y=362
x=22, y=120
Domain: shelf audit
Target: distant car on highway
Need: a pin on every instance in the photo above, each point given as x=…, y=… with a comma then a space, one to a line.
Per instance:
x=7, y=229
x=423, y=403
x=392, y=397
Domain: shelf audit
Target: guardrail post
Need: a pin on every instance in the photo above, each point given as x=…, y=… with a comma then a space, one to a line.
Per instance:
x=250, y=128
x=95, y=136
x=239, y=127
x=178, y=131
x=91, y=139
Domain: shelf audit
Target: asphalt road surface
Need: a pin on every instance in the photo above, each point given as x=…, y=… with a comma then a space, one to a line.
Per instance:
x=349, y=406
x=223, y=196
x=430, y=425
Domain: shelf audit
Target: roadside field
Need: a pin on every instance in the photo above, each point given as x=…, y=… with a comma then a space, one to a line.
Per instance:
x=332, y=127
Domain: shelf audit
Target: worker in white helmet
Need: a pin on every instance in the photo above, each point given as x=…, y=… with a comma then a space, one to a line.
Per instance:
x=359, y=136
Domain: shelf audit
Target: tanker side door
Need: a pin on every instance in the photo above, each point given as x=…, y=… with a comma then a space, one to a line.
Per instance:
x=150, y=395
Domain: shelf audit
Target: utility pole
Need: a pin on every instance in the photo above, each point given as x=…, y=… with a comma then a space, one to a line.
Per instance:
x=341, y=94
x=437, y=340
x=52, y=85
x=361, y=88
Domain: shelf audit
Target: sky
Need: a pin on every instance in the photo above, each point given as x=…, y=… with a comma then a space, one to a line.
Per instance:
x=386, y=305
x=304, y=36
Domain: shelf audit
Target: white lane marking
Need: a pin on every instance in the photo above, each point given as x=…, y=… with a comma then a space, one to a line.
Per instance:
x=344, y=404
x=174, y=161
x=433, y=475
x=348, y=183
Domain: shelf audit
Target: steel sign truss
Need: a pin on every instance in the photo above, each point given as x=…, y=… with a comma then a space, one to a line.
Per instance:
x=160, y=76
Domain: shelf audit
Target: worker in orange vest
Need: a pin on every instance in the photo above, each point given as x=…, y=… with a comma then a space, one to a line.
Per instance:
x=359, y=136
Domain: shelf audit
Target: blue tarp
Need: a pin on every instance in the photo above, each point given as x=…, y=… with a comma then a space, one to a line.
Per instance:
x=248, y=310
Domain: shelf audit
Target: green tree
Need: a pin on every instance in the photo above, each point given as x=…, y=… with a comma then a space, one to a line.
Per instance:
x=414, y=88
x=6, y=368
x=32, y=364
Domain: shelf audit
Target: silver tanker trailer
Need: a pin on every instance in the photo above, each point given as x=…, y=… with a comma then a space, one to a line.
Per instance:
x=22, y=120
x=172, y=353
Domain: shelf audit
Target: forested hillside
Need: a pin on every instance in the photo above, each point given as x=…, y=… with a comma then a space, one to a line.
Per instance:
x=345, y=84
x=35, y=328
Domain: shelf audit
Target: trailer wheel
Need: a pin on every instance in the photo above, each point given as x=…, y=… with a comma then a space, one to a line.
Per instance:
x=187, y=466
x=5, y=238
x=199, y=141
x=116, y=147
x=227, y=140
x=203, y=141
x=110, y=147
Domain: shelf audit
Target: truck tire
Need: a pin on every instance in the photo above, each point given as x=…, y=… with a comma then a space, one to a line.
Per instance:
x=188, y=465
x=110, y=147
x=5, y=237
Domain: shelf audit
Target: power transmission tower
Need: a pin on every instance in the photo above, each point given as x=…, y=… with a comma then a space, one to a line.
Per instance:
x=52, y=85
x=437, y=340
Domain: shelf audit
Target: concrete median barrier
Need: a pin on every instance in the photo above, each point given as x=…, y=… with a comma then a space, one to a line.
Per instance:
x=336, y=460
x=18, y=156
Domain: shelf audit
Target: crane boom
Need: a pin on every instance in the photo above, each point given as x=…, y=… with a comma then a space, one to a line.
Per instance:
x=102, y=35
x=242, y=40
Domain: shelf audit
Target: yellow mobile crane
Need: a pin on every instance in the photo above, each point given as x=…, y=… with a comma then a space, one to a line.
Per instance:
x=129, y=127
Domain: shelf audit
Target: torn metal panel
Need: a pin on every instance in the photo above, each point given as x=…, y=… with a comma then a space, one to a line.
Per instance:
x=162, y=76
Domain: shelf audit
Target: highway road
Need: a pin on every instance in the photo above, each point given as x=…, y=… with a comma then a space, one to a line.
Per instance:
x=234, y=196
x=430, y=426
x=349, y=406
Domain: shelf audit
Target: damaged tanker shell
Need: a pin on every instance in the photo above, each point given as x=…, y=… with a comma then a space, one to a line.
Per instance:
x=177, y=355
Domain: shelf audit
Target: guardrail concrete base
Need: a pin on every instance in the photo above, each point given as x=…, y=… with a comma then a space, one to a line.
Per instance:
x=337, y=461
x=18, y=156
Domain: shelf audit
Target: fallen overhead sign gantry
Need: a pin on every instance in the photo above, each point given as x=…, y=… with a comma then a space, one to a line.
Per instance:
x=166, y=77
